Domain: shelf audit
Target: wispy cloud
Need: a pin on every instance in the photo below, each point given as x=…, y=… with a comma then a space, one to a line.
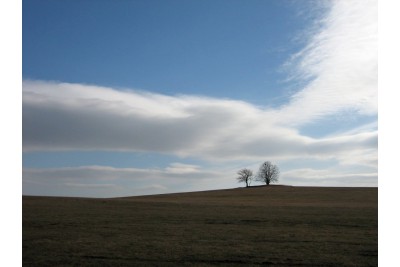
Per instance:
x=105, y=181
x=329, y=177
x=340, y=63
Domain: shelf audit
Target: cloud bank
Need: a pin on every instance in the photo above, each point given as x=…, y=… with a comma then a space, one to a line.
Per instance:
x=62, y=116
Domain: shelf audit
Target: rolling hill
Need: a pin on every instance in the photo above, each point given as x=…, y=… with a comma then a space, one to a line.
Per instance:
x=264, y=225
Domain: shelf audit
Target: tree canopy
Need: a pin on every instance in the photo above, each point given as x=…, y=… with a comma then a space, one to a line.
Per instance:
x=268, y=173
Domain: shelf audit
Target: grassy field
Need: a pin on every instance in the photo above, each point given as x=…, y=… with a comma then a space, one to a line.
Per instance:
x=257, y=226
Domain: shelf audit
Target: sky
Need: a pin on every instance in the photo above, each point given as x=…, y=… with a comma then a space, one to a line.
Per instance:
x=123, y=98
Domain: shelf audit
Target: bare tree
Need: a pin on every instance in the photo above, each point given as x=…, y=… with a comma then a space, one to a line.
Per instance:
x=245, y=175
x=268, y=173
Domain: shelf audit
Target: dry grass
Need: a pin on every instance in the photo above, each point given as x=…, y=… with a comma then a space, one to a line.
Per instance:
x=270, y=226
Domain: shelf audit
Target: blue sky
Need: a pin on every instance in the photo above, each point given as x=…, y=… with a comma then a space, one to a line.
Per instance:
x=144, y=97
x=221, y=49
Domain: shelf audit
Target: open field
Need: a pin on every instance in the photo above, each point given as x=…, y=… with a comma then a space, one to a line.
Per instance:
x=267, y=226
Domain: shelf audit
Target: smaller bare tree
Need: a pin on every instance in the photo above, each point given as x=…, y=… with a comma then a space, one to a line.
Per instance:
x=245, y=175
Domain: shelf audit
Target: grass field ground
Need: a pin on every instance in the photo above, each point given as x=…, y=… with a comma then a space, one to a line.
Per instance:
x=257, y=226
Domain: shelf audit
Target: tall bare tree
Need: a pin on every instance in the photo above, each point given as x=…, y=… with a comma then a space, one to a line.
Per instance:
x=268, y=173
x=245, y=175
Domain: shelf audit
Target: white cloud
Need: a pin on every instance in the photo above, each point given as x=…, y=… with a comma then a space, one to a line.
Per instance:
x=341, y=63
x=63, y=117
x=180, y=168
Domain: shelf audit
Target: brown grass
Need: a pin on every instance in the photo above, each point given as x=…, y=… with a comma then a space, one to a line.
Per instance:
x=257, y=226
